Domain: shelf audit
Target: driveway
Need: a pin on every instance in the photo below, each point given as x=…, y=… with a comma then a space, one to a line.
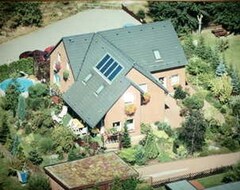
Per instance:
x=84, y=22
x=167, y=170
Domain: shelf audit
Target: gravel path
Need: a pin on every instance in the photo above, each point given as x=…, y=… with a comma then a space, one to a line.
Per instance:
x=84, y=22
x=178, y=168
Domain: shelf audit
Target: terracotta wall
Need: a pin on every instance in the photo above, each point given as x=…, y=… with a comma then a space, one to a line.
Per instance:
x=151, y=112
x=169, y=73
x=59, y=56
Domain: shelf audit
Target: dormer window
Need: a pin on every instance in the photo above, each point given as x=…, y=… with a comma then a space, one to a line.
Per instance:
x=157, y=54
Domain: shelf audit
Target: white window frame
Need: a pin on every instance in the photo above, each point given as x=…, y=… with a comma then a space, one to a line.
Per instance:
x=175, y=79
x=130, y=126
x=118, y=127
x=59, y=57
x=163, y=81
x=157, y=54
x=144, y=87
x=128, y=98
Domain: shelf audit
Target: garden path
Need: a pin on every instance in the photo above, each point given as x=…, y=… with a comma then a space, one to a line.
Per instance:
x=167, y=170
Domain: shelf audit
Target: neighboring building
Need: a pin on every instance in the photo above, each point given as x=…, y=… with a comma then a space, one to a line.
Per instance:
x=180, y=185
x=108, y=77
x=96, y=171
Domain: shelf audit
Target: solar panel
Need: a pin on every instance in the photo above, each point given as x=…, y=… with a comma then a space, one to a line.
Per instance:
x=108, y=67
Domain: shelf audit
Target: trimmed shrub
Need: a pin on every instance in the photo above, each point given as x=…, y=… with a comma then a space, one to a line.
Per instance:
x=193, y=102
x=179, y=93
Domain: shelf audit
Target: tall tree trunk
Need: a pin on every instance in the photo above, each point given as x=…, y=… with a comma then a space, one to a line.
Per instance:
x=199, y=17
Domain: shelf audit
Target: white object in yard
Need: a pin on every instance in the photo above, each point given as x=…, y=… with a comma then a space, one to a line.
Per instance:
x=63, y=112
x=56, y=118
x=84, y=130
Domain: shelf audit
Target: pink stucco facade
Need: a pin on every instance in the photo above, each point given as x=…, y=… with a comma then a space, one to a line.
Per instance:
x=145, y=113
x=59, y=58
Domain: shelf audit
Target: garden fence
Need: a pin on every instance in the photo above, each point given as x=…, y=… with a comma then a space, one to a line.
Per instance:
x=191, y=176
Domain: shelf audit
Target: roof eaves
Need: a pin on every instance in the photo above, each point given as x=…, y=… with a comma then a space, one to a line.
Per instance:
x=149, y=76
x=136, y=86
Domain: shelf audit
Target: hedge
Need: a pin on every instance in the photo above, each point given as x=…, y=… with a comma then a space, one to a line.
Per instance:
x=25, y=65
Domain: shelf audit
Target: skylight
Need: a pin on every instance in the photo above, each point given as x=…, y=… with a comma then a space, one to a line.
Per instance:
x=109, y=68
x=99, y=90
x=157, y=54
x=87, y=78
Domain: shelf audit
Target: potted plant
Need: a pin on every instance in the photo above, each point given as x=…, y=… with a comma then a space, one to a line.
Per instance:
x=65, y=75
x=146, y=98
x=130, y=109
x=57, y=67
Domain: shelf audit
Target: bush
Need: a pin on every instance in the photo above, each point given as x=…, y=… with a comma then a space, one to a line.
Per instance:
x=145, y=128
x=139, y=156
x=38, y=182
x=193, y=102
x=25, y=65
x=179, y=93
x=128, y=155
x=46, y=145
x=38, y=90
x=165, y=127
x=65, y=75
x=197, y=66
x=35, y=158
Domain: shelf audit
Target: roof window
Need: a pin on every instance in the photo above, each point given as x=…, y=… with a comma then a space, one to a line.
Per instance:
x=99, y=90
x=87, y=78
x=157, y=54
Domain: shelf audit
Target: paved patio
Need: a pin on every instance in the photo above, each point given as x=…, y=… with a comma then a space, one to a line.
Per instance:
x=84, y=22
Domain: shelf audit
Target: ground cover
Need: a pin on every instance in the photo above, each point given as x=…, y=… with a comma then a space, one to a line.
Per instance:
x=212, y=180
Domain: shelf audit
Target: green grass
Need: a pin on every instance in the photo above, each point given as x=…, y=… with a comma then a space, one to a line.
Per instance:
x=211, y=181
x=232, y=54
x=66, y=120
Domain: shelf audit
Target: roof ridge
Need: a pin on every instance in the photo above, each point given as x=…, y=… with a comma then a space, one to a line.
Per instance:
x=84, y=58
x=137, y=66
x=124, y=54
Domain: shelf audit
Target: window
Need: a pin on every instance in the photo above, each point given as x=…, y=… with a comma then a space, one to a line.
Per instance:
x=174, y=80
x=99, y=90
x=117, y=125
x=128, y=98
x=130, y=124
x=163, y=80
x=157, y=54
x=87, y=78
x=109, y=68
x=143, y=87
x=59, y=57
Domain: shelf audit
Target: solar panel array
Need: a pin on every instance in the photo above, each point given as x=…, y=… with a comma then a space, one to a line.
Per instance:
x=109, y=67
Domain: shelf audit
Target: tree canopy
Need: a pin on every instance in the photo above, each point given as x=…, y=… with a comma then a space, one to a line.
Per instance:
x=184, y=15
x=193, y=131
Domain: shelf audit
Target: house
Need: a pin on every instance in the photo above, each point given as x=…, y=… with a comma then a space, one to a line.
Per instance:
x=119, y=76
x=100, y=170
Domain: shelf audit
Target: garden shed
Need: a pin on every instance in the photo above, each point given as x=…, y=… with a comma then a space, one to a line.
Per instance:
x=99, y=170
x=180, y=185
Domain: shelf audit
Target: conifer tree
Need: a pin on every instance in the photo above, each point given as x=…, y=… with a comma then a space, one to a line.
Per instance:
x=21, y=109
x=126, y=140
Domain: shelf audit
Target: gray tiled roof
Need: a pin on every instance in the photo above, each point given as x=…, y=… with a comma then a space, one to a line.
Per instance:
x=138, y=42
x=131, y=47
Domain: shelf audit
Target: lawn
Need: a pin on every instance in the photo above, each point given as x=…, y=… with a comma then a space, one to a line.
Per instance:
x=211, y=181
x=232, y=55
